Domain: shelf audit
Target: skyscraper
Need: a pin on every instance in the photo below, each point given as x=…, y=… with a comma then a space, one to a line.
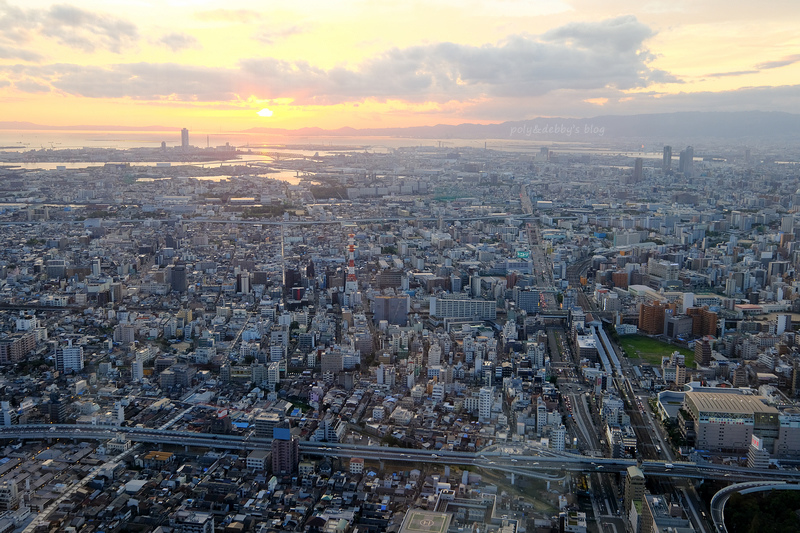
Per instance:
x=666, y=161
x=686, y=162
x=185, y=139
x=638, y=173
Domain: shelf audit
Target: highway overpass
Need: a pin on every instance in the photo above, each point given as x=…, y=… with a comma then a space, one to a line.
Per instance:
x=530, y=461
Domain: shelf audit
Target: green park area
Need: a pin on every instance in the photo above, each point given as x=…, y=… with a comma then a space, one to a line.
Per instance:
x=652, y=350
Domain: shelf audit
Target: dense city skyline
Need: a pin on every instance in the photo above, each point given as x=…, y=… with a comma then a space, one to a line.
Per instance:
x=378, y=64
x=399, y=267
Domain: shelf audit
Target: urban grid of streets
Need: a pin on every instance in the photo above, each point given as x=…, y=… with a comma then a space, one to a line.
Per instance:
x=109, y=216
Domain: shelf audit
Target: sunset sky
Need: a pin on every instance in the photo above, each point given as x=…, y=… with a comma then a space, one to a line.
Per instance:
x=213, y=66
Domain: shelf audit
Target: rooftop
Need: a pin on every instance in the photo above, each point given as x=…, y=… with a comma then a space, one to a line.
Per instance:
x=729, y=403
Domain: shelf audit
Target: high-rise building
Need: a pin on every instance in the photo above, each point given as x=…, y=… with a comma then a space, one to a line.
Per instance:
x=485, y=404
x=434, y=355
x=541, y=415
x=9, y=495
x=757, y=456
x=285, y=454
x=634, y=488
x=69, y=358
x=137, y=367
x=179, y=282
x=558, y=438
x=702, y=352
x=185, y=139
x=392, y=308
x=739, y=377
x=124, y=333
x=638, y=171
x=651, y=317
x=666, y=161
x=686, y=162
x=291, y=278
x=8, y=415
x=704, y=322
x=57, y=409
x=14, y=347
x=620, y=279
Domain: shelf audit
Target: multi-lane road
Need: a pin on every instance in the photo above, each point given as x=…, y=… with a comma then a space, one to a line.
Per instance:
x=522, y=460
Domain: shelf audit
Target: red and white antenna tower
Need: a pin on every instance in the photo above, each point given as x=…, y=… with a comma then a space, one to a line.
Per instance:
x=351, y=285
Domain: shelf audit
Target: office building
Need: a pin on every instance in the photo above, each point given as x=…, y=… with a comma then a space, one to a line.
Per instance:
x=179, y=282
x=686, y=162
x=757, y=456
x=528, y=300
x=666, y=161
x=392, y=308
x=677, y=326
x=663, y=270
x=587, y=347
x=185, y=139
x=638, y=171
x=265, y=423
x=56, y=268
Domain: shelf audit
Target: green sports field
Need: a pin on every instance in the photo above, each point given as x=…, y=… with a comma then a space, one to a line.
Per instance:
x=651, y=350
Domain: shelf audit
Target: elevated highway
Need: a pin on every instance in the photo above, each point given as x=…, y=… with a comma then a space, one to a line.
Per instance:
x=542, y=463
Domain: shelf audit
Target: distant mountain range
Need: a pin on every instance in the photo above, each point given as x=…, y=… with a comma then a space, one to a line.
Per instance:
x=741, y=124
x=684, y=125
